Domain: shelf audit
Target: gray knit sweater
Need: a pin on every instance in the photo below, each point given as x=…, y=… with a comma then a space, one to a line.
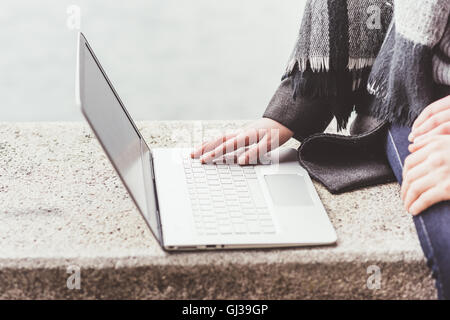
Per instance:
x=441, y=60
x=411, y=71
x=401, y=68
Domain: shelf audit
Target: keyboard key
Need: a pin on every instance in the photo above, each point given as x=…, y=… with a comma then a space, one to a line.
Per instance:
x=223, y=211
x=245, y=200
x=209, y=219
x=222, y=216
x=267, y=229
x=264, y=214
x=226, y=229
x=247, y=205
x=240, y=189
x=240, y=183
x=266, y=222
x=244, y=194
x=240, y=228
x=251, y=217
x=229, y=193
x=219, y=206
x=237, y=219
x=235, y=214
x=253, y=228
x=233, y=210
x=255, y=191
x=225, y=201
x=227, y=186
x=209, y=225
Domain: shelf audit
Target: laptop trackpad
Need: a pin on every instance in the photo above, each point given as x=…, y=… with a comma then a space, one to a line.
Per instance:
x=288, y=190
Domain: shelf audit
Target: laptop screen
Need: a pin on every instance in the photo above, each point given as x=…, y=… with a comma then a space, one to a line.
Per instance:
x=118, y=135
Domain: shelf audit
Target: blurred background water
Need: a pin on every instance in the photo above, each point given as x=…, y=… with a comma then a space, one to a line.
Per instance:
x=168, y=59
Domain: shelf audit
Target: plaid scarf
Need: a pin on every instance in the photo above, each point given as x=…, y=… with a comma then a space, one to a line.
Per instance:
x=338, y=46
x=412, y=69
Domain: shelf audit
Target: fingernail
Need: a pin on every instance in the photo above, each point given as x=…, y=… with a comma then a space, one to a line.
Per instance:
x=411, y=137
x=219, y=161
x=241, y=160
x=408, y=208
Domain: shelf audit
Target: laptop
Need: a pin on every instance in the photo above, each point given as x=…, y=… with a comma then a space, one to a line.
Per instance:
x=192, y=206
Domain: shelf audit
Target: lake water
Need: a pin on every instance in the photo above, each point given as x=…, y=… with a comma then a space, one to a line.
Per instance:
x=168, y=59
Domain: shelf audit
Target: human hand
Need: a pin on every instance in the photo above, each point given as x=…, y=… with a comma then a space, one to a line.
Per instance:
x=260, y=137
x=426, y=172
x=433, y=120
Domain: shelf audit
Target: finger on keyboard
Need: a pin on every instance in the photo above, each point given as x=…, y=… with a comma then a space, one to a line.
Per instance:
x=211, y=145
x=229, y=147
x=230, y=158
x=237, y=142
x=254, y=155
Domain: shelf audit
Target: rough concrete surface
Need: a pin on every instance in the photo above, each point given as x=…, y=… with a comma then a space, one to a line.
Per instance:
x=63, y=206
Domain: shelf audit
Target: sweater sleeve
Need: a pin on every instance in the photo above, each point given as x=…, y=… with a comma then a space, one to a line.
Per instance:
x=304, y=116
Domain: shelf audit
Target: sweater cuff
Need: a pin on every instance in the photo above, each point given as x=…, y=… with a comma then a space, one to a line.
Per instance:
x=304, y=116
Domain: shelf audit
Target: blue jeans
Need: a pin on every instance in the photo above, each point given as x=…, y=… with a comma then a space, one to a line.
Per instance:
x=433, y=224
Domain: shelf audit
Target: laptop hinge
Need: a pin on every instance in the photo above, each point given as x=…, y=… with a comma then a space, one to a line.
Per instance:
x=152, y=166
x=152, y=170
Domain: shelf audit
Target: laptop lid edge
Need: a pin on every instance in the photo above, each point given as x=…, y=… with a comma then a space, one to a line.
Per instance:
x=82, y=41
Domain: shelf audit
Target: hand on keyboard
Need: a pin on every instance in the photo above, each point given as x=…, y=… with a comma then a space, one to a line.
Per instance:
x=260, y=137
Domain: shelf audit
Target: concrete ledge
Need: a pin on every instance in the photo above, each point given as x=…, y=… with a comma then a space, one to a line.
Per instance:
x=62, y=205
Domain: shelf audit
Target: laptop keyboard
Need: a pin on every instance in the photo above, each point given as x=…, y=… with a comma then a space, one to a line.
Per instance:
x=226, y=199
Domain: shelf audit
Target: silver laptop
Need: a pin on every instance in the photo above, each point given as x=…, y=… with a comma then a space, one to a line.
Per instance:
x=190, y=206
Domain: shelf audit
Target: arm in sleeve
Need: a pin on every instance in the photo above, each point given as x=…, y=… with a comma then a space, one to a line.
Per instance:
x=304, y=116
